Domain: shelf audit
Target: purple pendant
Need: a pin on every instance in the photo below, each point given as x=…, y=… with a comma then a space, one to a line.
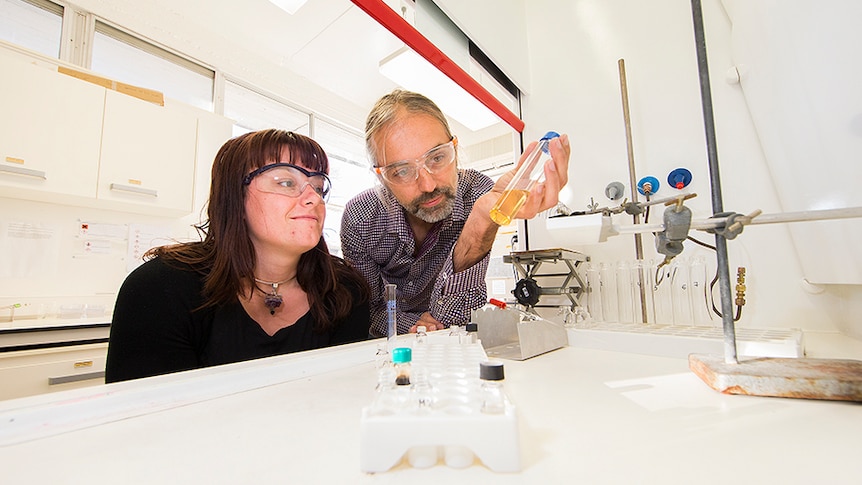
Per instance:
x=272, y=301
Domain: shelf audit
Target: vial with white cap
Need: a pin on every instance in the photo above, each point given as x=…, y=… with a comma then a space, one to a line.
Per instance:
x=530, y=173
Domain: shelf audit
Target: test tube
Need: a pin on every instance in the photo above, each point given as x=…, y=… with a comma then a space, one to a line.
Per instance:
x=529, y=174
x=391, y=305
x=681, y=293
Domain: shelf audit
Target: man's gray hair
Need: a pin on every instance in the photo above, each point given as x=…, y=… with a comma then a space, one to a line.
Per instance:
x=389, y=108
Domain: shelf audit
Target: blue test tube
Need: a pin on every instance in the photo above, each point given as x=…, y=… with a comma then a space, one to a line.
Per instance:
x=390, y=314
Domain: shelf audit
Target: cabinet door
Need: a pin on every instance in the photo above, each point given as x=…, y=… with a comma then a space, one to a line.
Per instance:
x=148, y=157
x=50, y=131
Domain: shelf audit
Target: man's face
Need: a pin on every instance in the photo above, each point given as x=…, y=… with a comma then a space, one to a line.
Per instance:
x=430, y=197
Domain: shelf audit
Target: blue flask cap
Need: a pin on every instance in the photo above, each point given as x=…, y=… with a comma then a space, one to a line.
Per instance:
x=548, y=136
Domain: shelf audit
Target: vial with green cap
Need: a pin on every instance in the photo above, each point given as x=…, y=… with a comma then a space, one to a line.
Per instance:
x=401, y=358
x=530, y=173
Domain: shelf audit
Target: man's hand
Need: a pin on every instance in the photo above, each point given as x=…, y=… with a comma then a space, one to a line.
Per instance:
x=429, y=322
x=546, y=194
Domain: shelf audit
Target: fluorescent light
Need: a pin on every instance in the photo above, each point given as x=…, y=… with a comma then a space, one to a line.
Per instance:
x=411, y=71
x=289, y=6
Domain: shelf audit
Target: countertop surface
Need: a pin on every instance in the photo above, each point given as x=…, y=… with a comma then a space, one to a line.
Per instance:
x=585, y=416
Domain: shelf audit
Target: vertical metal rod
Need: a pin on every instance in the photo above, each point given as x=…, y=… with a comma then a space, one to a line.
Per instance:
x=715, y=184
x=639, y=248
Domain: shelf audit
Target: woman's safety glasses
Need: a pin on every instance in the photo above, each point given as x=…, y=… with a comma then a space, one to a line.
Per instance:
x=290, y=180
x=407, y=171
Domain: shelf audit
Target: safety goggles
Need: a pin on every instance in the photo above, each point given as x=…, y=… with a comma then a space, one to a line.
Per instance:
x=290, y=180
x=433, y=161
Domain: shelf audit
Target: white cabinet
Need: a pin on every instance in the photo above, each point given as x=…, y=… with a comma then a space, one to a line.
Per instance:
x=31, y=372
x=65, y=140
x=50, y=133
x=148, y=156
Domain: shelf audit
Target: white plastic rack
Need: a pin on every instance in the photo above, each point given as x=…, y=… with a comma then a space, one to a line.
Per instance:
x=404, y=424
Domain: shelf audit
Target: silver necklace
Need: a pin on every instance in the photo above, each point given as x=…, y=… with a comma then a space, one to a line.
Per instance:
x=272, y=300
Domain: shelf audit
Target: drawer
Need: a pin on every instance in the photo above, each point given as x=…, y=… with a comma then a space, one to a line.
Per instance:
x=30, y=372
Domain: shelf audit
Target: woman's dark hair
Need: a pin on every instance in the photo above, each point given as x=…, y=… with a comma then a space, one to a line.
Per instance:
x=226, y=256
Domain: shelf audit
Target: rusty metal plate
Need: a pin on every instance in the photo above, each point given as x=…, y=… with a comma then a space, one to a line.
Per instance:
x=830, y=379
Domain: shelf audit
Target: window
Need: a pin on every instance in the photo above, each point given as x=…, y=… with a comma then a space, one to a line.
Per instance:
x=252, y=111
x=126, y=58
x=35, y=25
x=349, y=171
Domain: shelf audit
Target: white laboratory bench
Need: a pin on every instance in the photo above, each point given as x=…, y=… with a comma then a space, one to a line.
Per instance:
x=585, y=416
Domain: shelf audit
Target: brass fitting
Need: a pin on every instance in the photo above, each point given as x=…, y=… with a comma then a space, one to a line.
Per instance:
x=740, y=286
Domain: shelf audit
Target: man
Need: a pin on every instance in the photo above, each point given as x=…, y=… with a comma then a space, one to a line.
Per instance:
x=427, y=228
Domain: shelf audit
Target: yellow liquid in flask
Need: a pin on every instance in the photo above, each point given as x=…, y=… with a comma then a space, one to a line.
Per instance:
x=510, y=202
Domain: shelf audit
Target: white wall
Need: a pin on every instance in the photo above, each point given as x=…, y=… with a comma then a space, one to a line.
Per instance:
x=574, y=49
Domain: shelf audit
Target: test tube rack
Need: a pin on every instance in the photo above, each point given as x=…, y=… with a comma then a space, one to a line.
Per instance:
x=452, y=426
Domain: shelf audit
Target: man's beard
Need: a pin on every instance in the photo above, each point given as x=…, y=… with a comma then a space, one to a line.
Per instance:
x=438, y=212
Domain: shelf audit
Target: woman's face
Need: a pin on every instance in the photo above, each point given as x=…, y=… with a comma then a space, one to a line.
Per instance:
x=278, y=222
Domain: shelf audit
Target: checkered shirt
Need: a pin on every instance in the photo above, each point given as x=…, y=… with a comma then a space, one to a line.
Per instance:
x=377, y=240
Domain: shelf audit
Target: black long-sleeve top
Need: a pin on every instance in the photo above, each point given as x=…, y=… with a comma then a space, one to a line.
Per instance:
x=157, y=329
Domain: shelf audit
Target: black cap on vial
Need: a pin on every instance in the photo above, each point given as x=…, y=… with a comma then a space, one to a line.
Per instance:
x=472, y=327
x=491, y=371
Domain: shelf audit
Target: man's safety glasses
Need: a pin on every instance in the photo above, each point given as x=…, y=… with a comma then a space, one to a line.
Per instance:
x=407, y=171
x=290, y=180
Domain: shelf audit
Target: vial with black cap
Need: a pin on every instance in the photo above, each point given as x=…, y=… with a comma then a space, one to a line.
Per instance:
x=491, y=389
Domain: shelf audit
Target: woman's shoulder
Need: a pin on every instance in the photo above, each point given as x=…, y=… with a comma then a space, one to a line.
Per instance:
x=163, y=273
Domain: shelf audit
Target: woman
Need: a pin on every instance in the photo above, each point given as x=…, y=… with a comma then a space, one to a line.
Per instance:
x=262, y=281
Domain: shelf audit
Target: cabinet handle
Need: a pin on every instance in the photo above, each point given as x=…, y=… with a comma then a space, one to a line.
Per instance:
x=29, y=172
x=134, y=189
x=75, y=378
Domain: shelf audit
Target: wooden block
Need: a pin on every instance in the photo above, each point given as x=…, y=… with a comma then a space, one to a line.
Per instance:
x=829, y=379
x=145, y=94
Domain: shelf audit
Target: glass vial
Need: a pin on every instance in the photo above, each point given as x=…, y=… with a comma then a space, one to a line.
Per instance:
x=381, y=357
x=455, y=332
x=423, y=392
x=531, y=172
x=491, y=377
x=386, y=400
x=401, y=359
x=421, y=335
x=471, y=333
